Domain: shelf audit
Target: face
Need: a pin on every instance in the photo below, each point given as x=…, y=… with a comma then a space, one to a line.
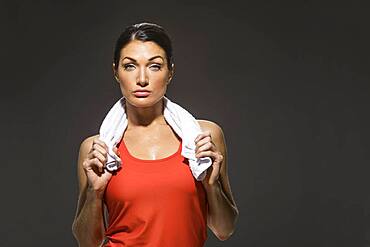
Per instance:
x=143, y=66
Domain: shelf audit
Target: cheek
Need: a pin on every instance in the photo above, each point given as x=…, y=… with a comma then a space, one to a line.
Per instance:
x=127, y=79
x=158, y=77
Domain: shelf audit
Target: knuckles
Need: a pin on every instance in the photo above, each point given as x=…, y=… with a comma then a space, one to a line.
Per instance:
x=85, y=164
x=104, y=159
x=220, y=156
x=96, y=160
x=95, y=153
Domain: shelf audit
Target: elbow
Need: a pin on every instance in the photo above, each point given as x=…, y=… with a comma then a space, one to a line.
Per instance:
x=223, y=237
x=83, y=238
x=78, y=235
x=75, y=230
x=226, y=234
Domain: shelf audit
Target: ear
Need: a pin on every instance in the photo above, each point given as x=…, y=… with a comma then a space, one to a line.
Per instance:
x=172, y=72
x=115, y=72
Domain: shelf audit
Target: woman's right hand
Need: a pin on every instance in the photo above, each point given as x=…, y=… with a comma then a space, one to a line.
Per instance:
x=94, y=165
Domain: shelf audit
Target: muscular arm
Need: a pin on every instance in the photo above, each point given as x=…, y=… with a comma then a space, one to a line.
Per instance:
x=223, y=212
x=88, y=225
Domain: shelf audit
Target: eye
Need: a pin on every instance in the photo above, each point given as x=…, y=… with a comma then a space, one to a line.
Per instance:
x=129, y=66
x=155, y=67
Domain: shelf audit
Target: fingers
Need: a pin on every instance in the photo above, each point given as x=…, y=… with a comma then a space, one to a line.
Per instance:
x=93, y=164
x=204, y=141
x=213, y=173
x=97, y=153
x=100, y=145
x=202, y=135
x=97, y=157
x=204, y=144
x=217, y=157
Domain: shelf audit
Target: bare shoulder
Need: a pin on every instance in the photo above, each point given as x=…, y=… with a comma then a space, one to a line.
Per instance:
x=88, y=140
x=86, y=144
x=217, y=135
x=213, y=127
x=215, y=130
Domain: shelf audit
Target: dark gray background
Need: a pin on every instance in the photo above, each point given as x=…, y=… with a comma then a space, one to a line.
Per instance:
x=287, y=81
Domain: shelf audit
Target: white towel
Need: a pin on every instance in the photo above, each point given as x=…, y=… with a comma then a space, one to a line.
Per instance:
x=181, y=121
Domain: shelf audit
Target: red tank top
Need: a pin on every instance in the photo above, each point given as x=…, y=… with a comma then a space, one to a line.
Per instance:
x=155, y=203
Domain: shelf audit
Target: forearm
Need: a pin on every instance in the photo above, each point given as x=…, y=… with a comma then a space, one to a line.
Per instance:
x=88, y=227
x=222, y=214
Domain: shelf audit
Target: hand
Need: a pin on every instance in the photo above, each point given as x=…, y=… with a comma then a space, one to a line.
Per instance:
x=94, y=165
x=206, y=148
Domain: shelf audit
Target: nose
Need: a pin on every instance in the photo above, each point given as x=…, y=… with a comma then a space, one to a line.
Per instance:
x=142, y=78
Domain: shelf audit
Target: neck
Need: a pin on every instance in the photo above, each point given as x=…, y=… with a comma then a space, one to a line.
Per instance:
x=145, y=116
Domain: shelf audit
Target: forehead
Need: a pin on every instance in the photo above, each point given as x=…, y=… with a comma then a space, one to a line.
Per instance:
x=142, y=49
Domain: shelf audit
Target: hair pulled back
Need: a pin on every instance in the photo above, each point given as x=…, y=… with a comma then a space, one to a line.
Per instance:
x=144, y=31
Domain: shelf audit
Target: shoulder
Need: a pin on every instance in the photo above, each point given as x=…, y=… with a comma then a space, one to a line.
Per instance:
x=214, y=128
x=88, y=140
x=217, y=134
x=86, y=144
x=208, y=125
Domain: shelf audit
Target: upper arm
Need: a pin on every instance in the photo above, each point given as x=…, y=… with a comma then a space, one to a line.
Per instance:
x=218, y=139
x=81, y=176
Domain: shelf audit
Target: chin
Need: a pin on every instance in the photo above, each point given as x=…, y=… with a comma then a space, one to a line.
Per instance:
x=143, y=102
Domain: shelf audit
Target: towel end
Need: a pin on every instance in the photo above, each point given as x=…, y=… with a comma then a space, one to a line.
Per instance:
x=113, y=165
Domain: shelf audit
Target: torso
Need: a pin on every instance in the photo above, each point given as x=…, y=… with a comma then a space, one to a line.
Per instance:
x=154, y=202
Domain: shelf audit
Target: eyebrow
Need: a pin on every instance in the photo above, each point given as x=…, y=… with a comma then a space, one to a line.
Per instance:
x=150, y=59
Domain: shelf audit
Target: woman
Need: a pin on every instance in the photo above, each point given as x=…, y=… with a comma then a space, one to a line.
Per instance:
x=154, y=200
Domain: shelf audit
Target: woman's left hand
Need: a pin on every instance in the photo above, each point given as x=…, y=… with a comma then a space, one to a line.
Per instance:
x=206, y=148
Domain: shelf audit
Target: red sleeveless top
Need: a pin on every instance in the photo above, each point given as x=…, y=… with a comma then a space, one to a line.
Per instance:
x=155, y=203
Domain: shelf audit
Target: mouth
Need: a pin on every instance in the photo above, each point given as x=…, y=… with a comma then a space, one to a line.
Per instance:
x=143, y=93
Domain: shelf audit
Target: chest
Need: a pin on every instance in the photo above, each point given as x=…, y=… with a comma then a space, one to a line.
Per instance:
x=143, y=184
x=151, y=145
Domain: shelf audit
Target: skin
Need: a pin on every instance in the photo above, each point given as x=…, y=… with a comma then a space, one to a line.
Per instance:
x=143, y=65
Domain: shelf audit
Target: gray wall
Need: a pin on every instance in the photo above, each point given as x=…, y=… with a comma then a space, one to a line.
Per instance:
x=288, y=83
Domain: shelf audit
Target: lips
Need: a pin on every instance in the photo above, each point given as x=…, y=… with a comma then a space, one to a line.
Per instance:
x=141, y=93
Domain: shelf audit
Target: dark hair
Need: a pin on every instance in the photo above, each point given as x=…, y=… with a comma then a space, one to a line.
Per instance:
x=144, y=31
